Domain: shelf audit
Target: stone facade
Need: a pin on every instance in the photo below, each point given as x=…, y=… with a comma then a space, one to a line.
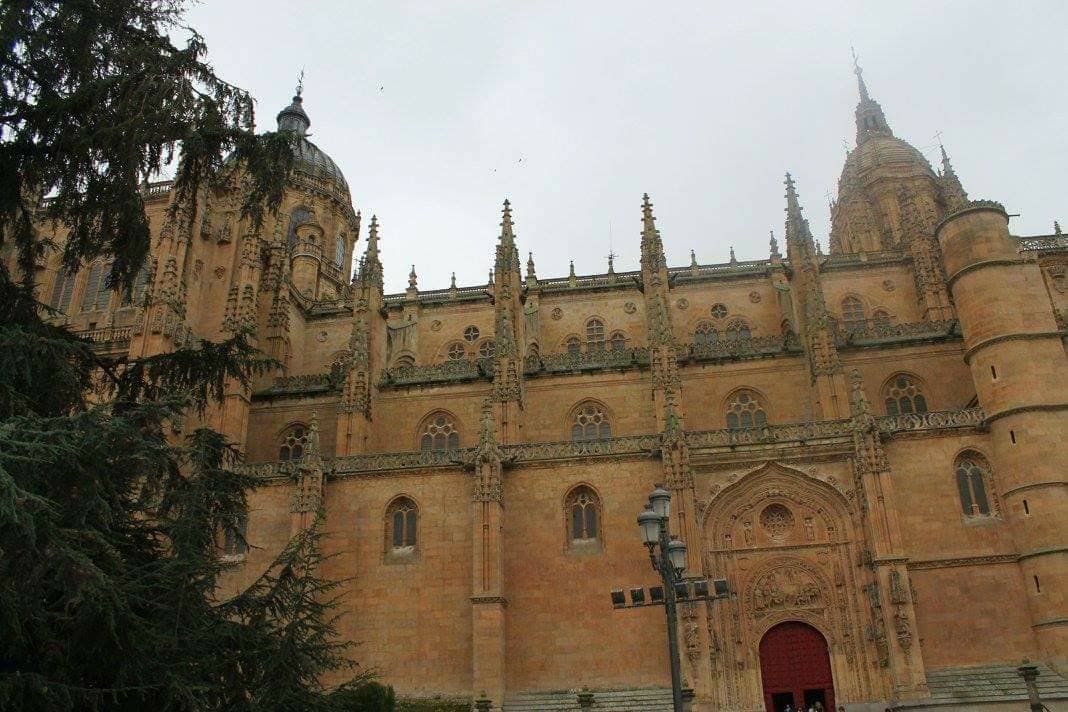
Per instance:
x=868, y=441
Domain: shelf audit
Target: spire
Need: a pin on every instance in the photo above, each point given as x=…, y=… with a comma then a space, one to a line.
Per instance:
x=734, y=260
x=611, y=262
x=507, y=235
x=649, y=231
x=370, y=264
x=531, y=276
x=413, y=279
x=952, y=190
x=652, y=247
x=693, y=259
x=571, y=270
x=799, y=243
x=870, y=118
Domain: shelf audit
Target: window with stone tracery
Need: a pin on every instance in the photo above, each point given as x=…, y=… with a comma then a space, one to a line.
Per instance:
x=456, y=352
x=880, y=318
x=618, y=341
x=439, y=434
x=402, y=517
x=705, y=334
x=405, y=361
x=471, y=334
x=487, y=349
x=339, y=250
x=583, y=510
x=738, y=330
x=852, y=314
x=974, y=485
x=590, y=422
x=902, y=395
x=300, y=216
x=573, y=345
x=746, y=409
x=294, y=441
x=97, y=294
x=595, y=335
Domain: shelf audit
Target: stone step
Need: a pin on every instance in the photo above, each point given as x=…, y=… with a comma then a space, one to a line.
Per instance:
x=639, y=700
x=991, y=681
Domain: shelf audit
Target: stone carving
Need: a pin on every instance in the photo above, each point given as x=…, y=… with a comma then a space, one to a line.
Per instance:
x=892, y=333
x=435, y=325
x=747, y=525
x=777, y=520
x=1058, y=274
x=683, y=303
x=888, y=285
x=898, y=593
x=320, y=337
x=1055, y=242
x=786, y=587
x=220, y=272
x=937, y=420
x=630, y=308
x=810, y=529
x=753, y=347
x=557, y=314
x=754, y=297
x=904, y=632
x=586, y=360
x=719, y=310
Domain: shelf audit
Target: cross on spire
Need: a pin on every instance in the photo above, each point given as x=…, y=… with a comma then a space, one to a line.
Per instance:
x=860, y=75
x=300, y=82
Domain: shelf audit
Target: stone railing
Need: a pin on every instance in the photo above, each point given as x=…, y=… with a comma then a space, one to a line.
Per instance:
x=753, y=347
x=586, y=361
x=631, y=445
x=1045, y=242
x=724, y=269
x=378, y=462
x=847, y=259
x=787, y=432
x=937, y=420
x=107, y=335
x=448, y=371
x=303, y=383
x=872, y=334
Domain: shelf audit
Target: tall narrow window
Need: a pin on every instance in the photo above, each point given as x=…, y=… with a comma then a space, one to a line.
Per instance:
x=234, y=532
x=705, y=334
x=745, y=409
x=595, y=335
x=590, y=422
x=880, y=319
x=618, y=342
x=439, y=434
x=300, y=216
x=852, y=314
x=63, y=289
x=339, y=250
x=582, y=507
x=294, y=441
x=140, y=286
x=573, y=345
x=902, y=395
x=97, y=293
x=973, y=475
x=401, y=518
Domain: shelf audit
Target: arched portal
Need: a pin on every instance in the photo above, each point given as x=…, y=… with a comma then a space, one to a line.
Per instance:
x=795, y=667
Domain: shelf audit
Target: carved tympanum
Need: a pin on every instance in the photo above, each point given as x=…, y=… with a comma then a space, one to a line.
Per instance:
x=786, y=587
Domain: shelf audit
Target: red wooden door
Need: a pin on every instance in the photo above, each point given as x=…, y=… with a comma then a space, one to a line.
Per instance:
x=794, y=661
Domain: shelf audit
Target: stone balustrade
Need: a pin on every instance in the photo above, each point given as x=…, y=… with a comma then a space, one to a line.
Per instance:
x=752, y=347
x=448, y=371
x=881, y=334
x=937, y=420
x=107, y=335
x=1046, y=242
x=303, y=383
x=593, y=360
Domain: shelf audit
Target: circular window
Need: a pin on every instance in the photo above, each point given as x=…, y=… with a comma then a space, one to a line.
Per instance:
x=777, y=520
x=456, y=352
x=487, y=349
x=719, y=310
x=471, y=334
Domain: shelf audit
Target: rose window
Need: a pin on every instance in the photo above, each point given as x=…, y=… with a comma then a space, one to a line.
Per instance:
x=777, y=521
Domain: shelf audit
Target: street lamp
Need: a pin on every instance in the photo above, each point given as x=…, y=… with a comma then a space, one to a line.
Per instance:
x=670, y=563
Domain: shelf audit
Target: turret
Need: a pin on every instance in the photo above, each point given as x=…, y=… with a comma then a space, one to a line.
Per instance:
x=1014, y=350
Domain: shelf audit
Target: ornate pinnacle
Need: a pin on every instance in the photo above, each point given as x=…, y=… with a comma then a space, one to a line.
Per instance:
x=412, y=278
x=491, y=277
x=860, y=77
x=734, y=260
x=452, y=281
x=611, y=265
x=1056, y=228
x=953, y=191
x=648, y=221
x=507, y=235
x=693, y=258
x=774, y=244
x=571, y=270
x=530, y=267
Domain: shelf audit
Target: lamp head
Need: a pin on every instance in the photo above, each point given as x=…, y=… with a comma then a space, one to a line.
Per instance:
x=661, y=501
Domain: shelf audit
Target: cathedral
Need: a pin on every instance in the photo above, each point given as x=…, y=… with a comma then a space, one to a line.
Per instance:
x=867, y=444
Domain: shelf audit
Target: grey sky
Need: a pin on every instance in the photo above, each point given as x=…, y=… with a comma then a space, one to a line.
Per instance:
x=429, y=107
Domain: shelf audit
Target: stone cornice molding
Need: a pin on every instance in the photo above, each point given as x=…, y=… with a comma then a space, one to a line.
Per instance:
x=972, y=206
x=990, y=559
x=1023, y=336
x=1039, y=408
x=975, y=266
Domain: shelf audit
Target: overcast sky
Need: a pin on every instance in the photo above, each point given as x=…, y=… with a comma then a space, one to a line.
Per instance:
x=437, y=111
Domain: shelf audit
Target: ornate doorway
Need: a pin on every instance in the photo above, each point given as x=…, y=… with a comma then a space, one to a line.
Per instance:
x=795, y=668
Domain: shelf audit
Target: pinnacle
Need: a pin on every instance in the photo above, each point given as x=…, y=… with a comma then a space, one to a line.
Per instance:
x=506, y=222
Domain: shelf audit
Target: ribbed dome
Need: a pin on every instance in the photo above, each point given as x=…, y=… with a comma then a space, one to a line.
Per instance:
x=310, y=159
x=885, y=154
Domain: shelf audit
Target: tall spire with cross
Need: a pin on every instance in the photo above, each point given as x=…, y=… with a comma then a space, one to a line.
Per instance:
x=952, y=191
x=871, y=121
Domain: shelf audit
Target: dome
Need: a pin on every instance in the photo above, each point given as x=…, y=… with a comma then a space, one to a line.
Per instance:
x=880, y=155
x=309, y=158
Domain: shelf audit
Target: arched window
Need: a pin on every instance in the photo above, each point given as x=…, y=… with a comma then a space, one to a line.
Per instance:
x=487, y=349
x=234, y=543
x=63, y=289
x=294, y=440
x=573, y=345
x=590, y=422
x=401, y=518
x=405, y=361
x=705, y=334
x=532, y=351
x=300, y=216
x=96, y=294
x=880, y=319
x=439, y=434
x=583, y=509
x=746, y=409
x=903, y=394
x=973, y=478
x=595, y=335
x=140, y=286
x=852, y=314
x=455, y=352
x=618, y=341
x=339, y=250
x=737, y=330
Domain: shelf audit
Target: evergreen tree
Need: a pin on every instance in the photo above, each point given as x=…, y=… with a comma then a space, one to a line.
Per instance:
x=109, y=573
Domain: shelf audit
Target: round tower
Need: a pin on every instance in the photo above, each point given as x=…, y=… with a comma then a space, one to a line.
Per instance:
x=1018, y=364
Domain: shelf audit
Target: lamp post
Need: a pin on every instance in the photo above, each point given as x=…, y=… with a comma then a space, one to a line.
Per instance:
x=668, y=557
